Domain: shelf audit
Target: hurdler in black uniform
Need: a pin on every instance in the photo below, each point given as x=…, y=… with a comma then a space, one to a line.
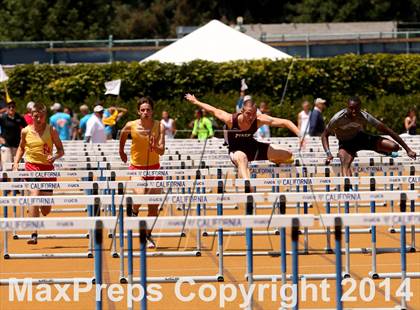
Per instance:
x=241, y=127
x=243, y=140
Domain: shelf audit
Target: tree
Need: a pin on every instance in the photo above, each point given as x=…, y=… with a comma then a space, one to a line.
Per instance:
x=55, y=20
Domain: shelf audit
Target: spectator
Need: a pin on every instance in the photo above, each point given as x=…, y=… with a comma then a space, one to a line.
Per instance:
x=263, y=131
x=111, y=116
x=60, y=121
x=74, y=122
x=303, y=118
x=84, y=110
x=11, y=124
x=202, y=126
x=95, y=129
x=28, y=116
x=3, y=106
x=410, y=122
x=316, y=121
x=169, y=125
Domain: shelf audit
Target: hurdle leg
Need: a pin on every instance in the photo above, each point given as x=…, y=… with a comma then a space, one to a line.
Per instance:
x=98, y=263
x=120, y=187
x=338, y=264
x=5, y=236
x=356, y=188
x=113, y=231
x=403, y=242
x=130, y=263
x=143, y=266
x=220, y=276
x=295, y=261
x=204, y=233
x=14, y=213
x=391, y=188
x=249, y=244
x=121, y=231
x=305, y=211
x=413, y=209
x=347, y=231
x=373, y=273
x=283, y=253
x=328, y=249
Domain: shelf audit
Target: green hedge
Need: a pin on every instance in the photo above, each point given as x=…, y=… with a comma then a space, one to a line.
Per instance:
x=388, y=84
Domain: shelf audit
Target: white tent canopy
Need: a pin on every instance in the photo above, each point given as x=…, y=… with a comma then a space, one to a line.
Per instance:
x=216, y=42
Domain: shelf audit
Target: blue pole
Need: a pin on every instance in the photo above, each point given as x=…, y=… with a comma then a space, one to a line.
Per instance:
x=283, y=253
x=121, y=233
x=403, y=241
x=143, y=266
x=328, y=211
x=249, y=241
x=98, y=262
x=338, y=263
x=373, y=231
x=220, y=230
x=413, y=209
x=305, y=211
x=295, y=268
x=347, y=230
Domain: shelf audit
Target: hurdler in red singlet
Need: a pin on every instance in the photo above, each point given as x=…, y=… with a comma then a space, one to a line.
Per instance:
x=36, y=143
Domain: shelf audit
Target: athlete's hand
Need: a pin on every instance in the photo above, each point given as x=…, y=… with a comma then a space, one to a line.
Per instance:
x=51, y=159
x=329, y=159
x=15, y=167
x=302, y=143
x=191, y=98
x=152, y=143
x=123, y=156
x=411, y=154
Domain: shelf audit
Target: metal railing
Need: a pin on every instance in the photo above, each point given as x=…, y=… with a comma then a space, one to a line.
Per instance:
x=307, y=41
x=338, y=36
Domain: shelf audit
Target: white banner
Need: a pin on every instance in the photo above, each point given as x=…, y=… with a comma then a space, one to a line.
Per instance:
x=113, y=87
x=3, y=75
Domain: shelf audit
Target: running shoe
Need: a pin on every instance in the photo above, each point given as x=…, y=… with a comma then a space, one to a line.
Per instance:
x=150, y=243
x=34, y=239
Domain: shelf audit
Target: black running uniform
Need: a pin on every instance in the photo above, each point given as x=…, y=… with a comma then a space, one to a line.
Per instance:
x=243, y=140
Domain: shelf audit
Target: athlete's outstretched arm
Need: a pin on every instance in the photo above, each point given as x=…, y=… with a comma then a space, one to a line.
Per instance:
x=386, y=130
x=123, y=138
x=220, y=114
x=264, y=119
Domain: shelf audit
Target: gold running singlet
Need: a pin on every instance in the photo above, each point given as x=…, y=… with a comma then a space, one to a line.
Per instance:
x=140, y=150
x=37, y=149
